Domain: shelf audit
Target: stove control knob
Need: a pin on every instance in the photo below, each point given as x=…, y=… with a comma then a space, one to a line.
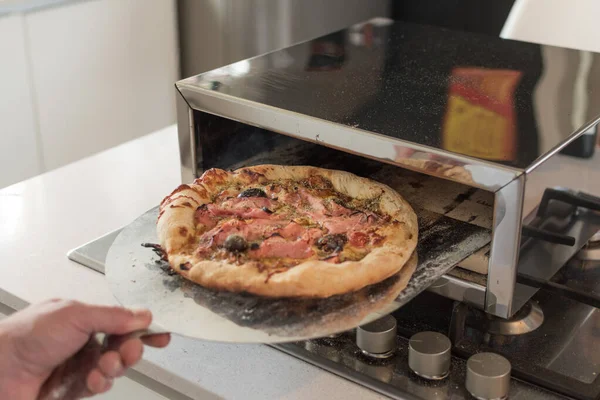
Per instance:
x=378, y=338
x=488, y=376
x=429, y=355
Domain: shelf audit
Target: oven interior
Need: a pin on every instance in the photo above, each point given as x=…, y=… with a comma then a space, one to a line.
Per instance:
x=227, y=144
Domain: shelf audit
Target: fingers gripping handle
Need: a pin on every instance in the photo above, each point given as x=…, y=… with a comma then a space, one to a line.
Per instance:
x=69, y=380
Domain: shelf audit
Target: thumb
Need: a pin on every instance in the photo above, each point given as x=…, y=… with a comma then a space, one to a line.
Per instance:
x=111, y=320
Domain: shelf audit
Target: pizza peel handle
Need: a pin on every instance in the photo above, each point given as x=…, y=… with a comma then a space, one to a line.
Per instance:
x=68, y=381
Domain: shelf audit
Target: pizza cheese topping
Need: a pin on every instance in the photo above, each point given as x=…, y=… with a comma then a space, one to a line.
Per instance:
x=281, y=224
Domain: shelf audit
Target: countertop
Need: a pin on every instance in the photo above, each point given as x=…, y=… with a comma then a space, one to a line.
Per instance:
x=41, y=219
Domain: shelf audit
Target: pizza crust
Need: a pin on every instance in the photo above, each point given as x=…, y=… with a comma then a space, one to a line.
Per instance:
x=313, y=278
x=333, y=322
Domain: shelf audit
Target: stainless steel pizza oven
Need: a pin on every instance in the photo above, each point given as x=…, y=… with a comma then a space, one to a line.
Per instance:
x=469, y=122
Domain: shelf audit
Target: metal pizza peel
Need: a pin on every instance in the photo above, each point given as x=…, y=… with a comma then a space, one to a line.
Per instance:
x=139, y=278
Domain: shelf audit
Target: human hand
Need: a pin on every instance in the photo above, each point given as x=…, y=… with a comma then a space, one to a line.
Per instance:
x=35, y=342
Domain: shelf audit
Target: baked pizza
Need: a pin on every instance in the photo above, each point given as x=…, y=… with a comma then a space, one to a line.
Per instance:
x=286, y=231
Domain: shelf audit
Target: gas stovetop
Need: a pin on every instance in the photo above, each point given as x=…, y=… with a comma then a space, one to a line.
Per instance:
x=553, y=358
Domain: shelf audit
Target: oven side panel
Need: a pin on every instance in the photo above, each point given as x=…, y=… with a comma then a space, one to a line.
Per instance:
x=187, y=139
x=504, y=252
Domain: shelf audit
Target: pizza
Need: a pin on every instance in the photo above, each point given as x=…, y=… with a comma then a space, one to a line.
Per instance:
x=286, y=231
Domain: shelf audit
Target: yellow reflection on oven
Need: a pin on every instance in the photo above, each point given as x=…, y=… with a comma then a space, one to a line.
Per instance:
x=480, y=117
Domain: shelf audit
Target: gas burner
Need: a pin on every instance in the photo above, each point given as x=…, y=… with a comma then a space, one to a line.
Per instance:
x=494, y=330
x=526, y=320
x=591, y=251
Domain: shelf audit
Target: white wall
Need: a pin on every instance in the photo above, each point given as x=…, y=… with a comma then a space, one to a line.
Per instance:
x=19, y=152
x=104, y=72
x=565, y=23
x=82, y=77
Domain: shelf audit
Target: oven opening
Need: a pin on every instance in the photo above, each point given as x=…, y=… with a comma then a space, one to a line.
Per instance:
x=227, y=144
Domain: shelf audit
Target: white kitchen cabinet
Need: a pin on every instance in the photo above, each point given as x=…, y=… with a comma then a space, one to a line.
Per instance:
x=103, y=73
x=19, y=154
x=79, y=77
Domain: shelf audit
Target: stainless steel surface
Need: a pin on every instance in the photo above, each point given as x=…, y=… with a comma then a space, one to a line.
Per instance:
x=350, y=138
x=188, y=153
x=558, y=355
x=393, y=377
x=288, y=97
x=219, y=32
x=377, y=338
x=504, y=255
x=589, y=123
x=527, y=319
x=459, y=289
x=238, y=96
x=575, y=354
x=429, y=355
x=488, y=376
x=591, y=251
x=579, y=279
